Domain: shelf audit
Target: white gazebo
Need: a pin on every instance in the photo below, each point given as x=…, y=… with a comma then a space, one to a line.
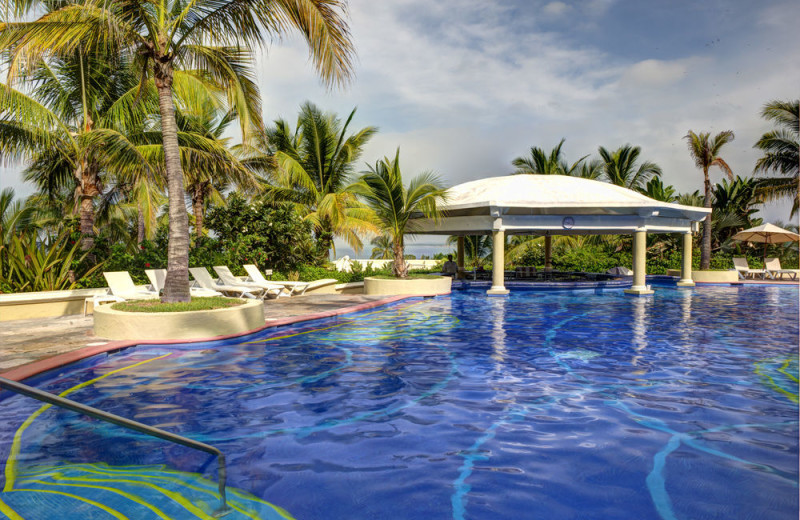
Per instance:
x=548, y=205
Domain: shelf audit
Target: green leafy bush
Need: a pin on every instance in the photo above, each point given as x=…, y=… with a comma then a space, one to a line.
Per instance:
x=272, y=237
x=26, y=264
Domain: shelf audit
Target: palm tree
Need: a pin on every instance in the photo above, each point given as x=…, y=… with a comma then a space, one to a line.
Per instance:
x=781, y=148
x=705, y=151
x=313, y=169
x=383, y=247
x=657, y=190
x=209, y=40
x=210, y=167
x=620, y=168
x=14, y=215
x=394, y=204
x=477, y=249
x=542, y=163
x=78, y=105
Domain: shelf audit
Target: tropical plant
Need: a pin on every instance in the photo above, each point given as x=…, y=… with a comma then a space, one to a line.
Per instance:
x=258, y=232
x=26, y=264
x=314, y=165
x=13, y=215
x=77, y=105
x=477, y=249
x=620, y=167
x=383, y=247
x=209, y=165
x=657, y=190
x=394, y=204
x=705, y=152
x=542, y=163
x=209, y=41
x=781, y=149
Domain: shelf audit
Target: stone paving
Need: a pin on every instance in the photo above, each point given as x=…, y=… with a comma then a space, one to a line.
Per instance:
x=24, y=341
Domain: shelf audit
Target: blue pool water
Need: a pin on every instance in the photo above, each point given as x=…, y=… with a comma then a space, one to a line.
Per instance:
x=683, y=405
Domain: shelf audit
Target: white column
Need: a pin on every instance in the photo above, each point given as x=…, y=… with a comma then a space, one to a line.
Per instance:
x=548, y=253
x=460, y=256
x=639, y=264
x=686, y=264
x=498, y=263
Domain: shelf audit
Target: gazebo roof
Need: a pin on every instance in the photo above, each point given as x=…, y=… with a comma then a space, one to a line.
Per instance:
x=546, y=193
x=556, y=204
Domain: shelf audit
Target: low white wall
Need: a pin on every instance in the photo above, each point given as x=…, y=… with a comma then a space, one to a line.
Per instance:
x=715, y=276
x=45, y=304
x=408, y=286
x=380, y=264
x=112, y=324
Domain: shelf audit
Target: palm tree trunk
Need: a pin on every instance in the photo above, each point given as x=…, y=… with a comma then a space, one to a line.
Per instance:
x=197, y=206
x=324, y=242
x=88, y=190
x=176, y=285
x=705, y=247
x=87, y=223
x=399, y=267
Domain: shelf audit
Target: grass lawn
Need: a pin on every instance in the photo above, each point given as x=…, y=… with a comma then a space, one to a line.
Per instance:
x=197, y=304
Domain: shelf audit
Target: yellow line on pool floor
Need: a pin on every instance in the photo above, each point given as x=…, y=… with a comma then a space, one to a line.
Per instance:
x=11, y=461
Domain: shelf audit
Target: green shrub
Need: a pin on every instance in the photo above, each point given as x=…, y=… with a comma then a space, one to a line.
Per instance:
x=55, y=264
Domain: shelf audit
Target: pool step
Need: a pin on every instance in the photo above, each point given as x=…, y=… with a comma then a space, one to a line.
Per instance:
x=100, y=491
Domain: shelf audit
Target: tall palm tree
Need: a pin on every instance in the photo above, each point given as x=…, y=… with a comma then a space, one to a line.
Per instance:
x=313, y=169
x=705, y=150
x=383, y=247
x=657, y=190
x=542, y=163
x=477, y=249
x=781, y=148
x=211, y=40
x=620, y=167
x=209, y=164
x=77, y=104
x=394, y=203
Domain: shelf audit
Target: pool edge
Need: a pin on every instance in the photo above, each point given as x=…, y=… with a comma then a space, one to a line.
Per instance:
x=40, y=366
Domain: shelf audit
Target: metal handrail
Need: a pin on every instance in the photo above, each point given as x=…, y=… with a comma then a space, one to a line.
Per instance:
x=69, y=404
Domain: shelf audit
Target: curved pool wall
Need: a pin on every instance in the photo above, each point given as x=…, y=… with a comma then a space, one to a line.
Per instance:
x=553, y=405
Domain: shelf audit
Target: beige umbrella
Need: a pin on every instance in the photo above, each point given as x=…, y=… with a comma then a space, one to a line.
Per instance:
x=767, y=234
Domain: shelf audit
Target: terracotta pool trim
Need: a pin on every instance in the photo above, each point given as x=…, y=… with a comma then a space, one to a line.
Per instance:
x=43, y=365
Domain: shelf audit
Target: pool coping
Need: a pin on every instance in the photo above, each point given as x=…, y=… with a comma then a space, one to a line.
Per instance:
x=40, y=366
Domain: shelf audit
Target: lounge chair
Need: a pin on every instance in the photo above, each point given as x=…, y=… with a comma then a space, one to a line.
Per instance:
x=741, y=266
x=157, y=277
x=204, y=280
x=773, y=265
x=122, y=287
x=256, y=277
x=226, y=276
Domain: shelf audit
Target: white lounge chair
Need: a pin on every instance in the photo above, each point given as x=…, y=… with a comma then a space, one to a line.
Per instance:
x=204, y=279
x=741, y=266
x=122, y=287
x=226, y=276
x=773, y=265
x=293, y=287
x=158, y=276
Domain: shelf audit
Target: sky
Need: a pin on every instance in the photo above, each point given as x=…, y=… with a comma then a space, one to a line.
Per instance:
x=462, y=87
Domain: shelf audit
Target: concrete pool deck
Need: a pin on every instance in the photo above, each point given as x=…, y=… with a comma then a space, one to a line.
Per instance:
x=28, y=341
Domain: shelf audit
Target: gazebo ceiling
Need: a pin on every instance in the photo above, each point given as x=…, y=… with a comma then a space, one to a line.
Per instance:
x=555, y=204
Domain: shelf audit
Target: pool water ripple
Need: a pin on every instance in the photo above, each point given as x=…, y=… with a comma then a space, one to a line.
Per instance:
x=539, y=405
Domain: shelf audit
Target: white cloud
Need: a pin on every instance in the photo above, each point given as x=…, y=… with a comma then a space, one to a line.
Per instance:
x=649, y=73
x=556, y=9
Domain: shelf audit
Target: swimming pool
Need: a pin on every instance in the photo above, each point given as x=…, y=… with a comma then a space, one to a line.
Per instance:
x=538, y=405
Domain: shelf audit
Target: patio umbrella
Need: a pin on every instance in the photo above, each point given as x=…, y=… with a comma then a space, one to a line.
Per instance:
x=767, y=234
